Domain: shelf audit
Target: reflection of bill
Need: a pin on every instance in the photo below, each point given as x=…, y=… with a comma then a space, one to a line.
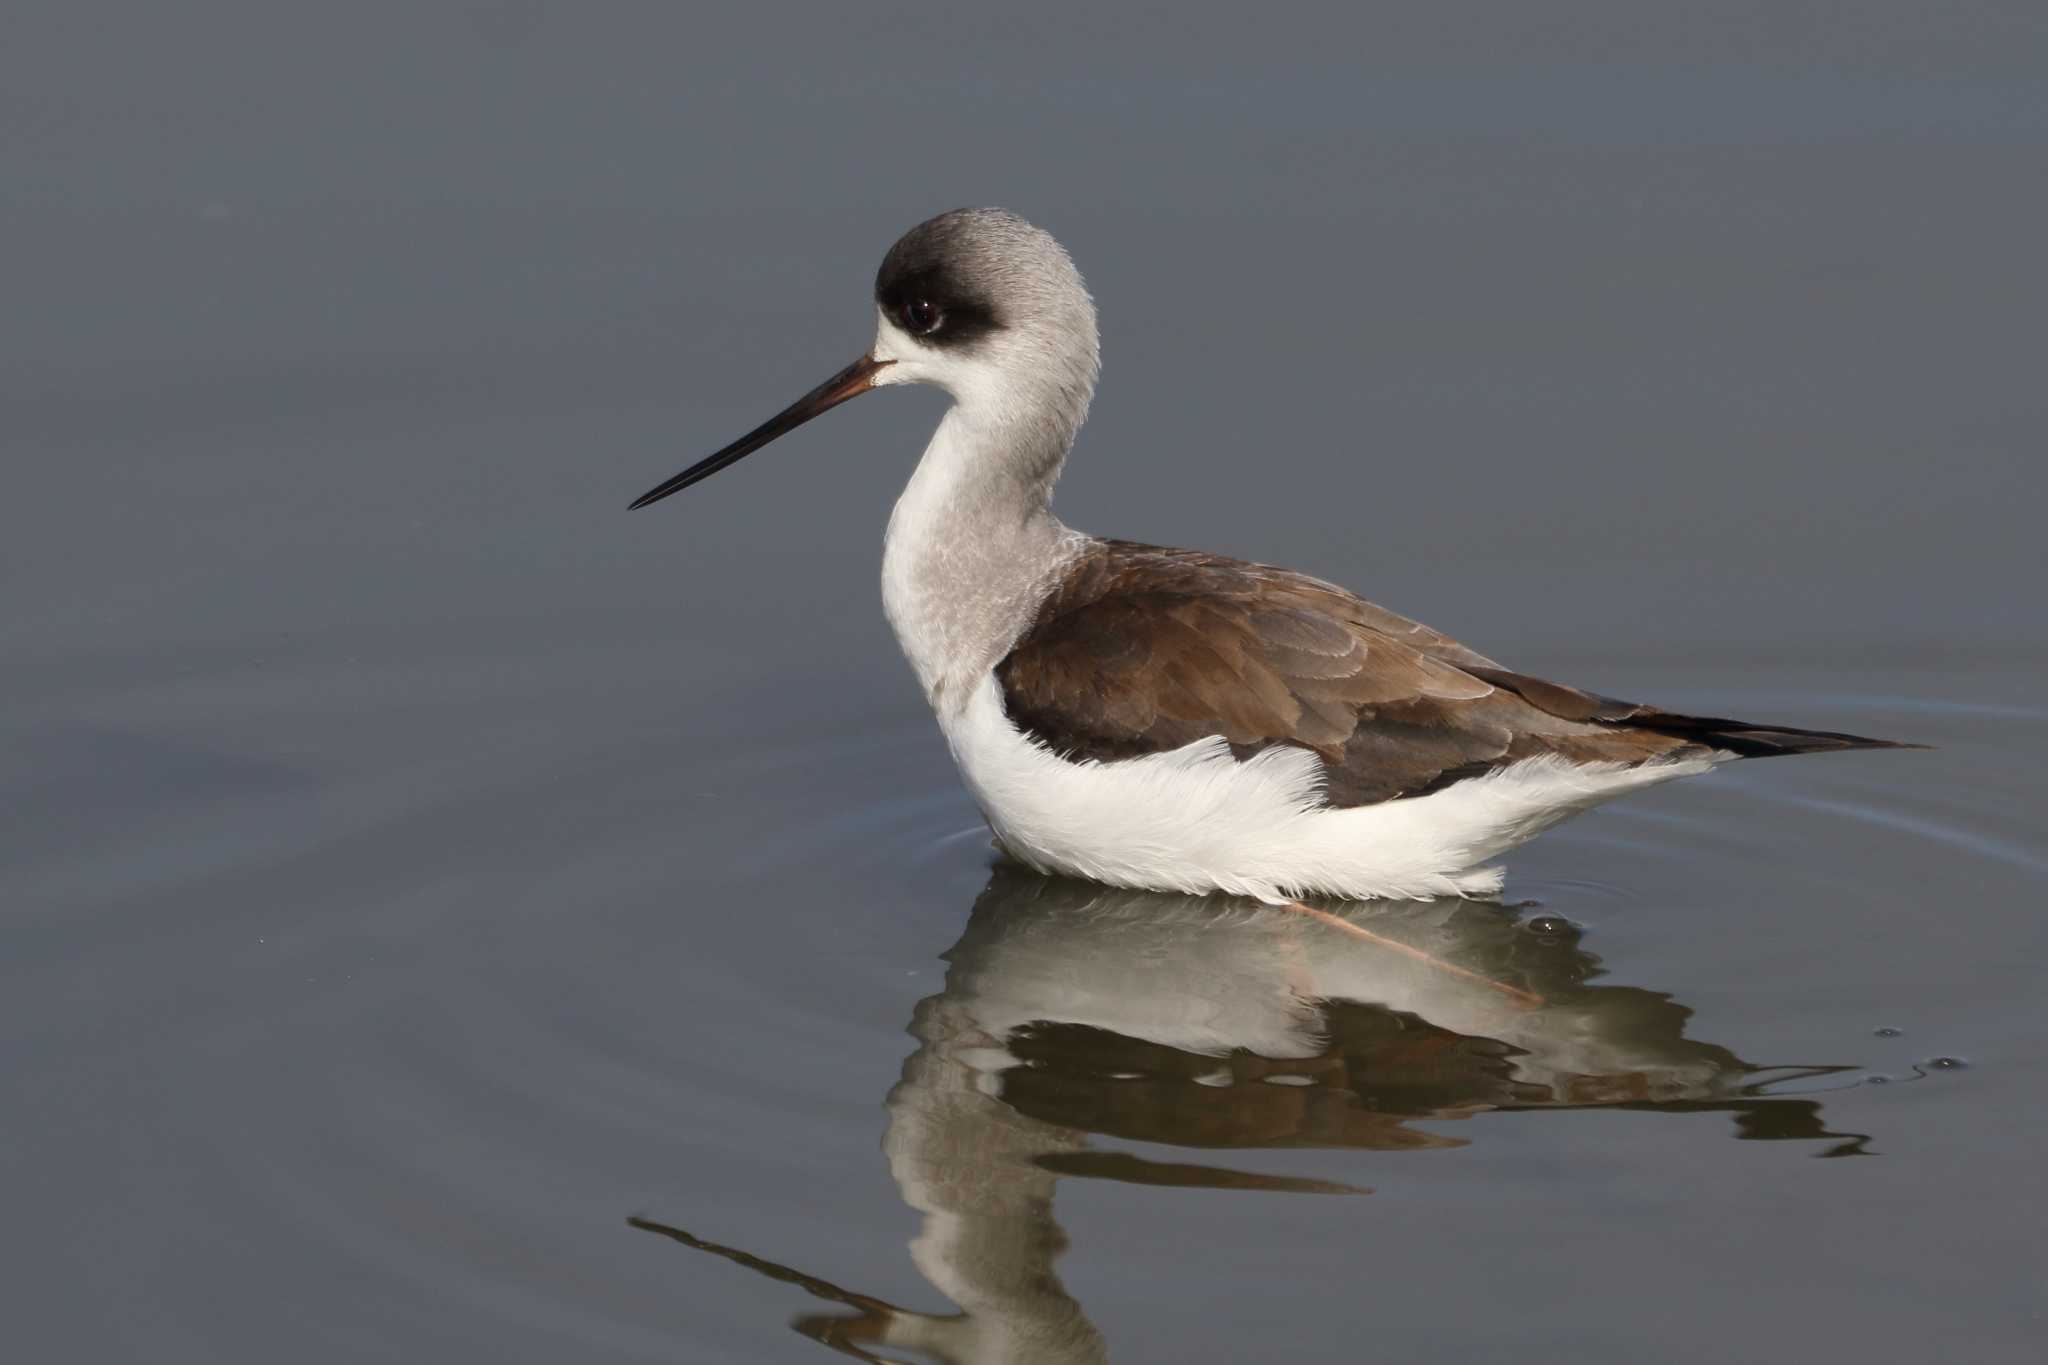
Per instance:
x=1073, y=1010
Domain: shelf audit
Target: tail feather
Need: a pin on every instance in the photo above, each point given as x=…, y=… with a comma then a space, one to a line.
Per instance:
x=1755, y=741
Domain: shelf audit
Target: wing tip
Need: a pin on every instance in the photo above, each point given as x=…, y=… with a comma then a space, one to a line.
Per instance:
x=1747, y=740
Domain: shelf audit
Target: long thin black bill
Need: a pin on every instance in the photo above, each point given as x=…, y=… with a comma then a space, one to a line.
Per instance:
x=851, y=382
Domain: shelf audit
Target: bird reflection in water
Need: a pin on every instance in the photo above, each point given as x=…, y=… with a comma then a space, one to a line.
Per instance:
x=1072, y=1010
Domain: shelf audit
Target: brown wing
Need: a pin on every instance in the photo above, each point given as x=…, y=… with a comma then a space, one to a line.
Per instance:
x=1142, y=649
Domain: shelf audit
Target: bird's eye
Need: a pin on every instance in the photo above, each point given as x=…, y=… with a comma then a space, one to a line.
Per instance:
x=921, y=316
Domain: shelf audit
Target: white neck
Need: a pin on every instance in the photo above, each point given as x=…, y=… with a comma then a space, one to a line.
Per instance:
x=973, y=546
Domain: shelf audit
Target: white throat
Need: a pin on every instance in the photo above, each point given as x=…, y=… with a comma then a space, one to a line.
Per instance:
x=973, y=548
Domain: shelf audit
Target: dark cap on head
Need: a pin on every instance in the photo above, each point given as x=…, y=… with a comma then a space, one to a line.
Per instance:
x=939, y=281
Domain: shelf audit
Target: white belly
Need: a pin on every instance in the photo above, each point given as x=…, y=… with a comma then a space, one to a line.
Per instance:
x=1197, y=819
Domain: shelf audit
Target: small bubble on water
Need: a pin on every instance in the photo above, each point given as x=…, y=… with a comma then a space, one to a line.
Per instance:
x=1877, y=1080
x=1946, y=1064
x=1887, y=1031
x=1550, y=924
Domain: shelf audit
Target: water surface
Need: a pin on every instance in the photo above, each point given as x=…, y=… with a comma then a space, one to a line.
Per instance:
x=448, y=918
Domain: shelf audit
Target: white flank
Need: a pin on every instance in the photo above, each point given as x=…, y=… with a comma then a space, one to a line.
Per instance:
x=1197, y=819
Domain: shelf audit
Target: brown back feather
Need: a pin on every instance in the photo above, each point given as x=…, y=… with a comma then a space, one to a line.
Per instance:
x=1143, y=649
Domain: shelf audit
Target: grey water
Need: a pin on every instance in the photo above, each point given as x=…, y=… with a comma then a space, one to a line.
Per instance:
x=449, y=918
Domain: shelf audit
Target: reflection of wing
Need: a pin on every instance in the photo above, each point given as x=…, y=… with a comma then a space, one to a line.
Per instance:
x=1142, y=649
x=1100, y=1082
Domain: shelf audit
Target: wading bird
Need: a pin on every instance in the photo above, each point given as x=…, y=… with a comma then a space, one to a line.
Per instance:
x=1173, y=720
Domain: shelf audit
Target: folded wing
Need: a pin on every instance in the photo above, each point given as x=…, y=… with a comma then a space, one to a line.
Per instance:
x=1142, y=649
